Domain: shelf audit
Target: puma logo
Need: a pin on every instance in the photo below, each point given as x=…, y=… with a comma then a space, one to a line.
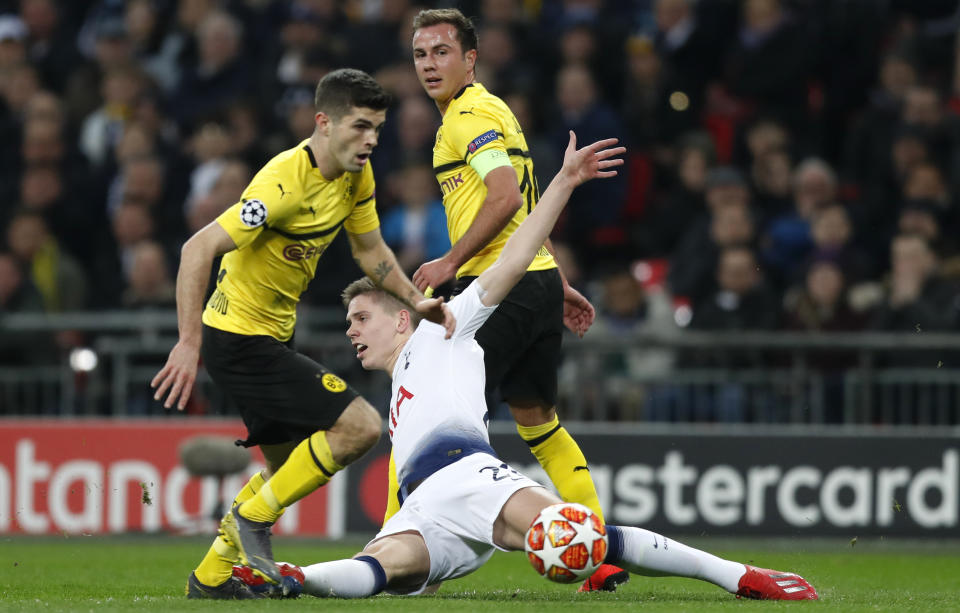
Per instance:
x=282, y=192
x=467, y=112
x=576, y=468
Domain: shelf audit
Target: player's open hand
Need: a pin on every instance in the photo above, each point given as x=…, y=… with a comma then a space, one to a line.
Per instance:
x=433, y=274
x=435, y=310
x=177, y=376
x=592, y=162
x=578, y=313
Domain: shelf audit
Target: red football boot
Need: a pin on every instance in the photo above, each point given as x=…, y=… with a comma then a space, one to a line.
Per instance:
x=606, y=579
x=766, y=584
x=291, y=585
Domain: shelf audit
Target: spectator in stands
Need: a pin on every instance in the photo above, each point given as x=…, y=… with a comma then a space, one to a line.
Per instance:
x=772, y=177
x=220, y=75
x=599, y=205
x=832, y=231
x=925, y=111
x=412, y=137
x=690, y=56
x=770, y=61
x=18, y=295
x=742, y=301
x=19, y=84
x=416, y=228
x=149, y=284
x=111, y=51
x=668, y=217
x=918, y=299
x=625, y=308
x=819, y=304
x=728, y=222
x=786, y=238
x=52, y=270
x=131, y=224
x=13, y=34
x=50, y=45
x=869, y=140
x=233, y=177
x=925, y=181
x=120, y=89
x=142, y=180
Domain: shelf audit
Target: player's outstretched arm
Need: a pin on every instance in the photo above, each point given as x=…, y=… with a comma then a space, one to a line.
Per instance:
x=378, y=262
x=594, y=161
x=196, y=257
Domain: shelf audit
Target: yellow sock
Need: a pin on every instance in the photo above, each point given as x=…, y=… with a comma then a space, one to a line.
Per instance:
x=217, y=566
x=309, y=466
x=393, y=504
x=561, y=458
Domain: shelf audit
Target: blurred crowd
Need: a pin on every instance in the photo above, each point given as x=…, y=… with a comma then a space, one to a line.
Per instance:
x=793, y=164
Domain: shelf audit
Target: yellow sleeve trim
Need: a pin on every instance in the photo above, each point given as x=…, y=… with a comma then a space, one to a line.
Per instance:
x=485, y=161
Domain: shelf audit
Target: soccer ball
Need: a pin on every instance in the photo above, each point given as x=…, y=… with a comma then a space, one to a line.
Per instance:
x=291, y=585
x=253, y=213
x=566, y=542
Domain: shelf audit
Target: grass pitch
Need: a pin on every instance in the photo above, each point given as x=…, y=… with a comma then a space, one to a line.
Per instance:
x=136, y=573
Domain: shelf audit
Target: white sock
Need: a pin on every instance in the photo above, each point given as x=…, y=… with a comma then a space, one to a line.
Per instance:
x=648, y=553
x=355, y=578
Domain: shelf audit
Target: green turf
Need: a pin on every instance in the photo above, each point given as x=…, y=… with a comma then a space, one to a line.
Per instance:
x=136, y=573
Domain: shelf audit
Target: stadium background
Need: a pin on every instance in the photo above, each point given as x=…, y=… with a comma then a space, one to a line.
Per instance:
x=779, y=258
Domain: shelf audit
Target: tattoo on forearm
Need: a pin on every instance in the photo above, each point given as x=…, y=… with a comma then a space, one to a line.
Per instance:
x=381, y=271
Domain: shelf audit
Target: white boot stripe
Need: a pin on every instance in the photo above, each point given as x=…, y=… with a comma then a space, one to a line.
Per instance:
x=791, y=590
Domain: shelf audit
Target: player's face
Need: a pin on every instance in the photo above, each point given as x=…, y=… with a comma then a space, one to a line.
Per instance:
x=442, y=67
x=353, y=137
x=372, y=332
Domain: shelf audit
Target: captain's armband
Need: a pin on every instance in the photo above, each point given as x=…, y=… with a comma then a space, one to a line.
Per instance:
x=485, y=161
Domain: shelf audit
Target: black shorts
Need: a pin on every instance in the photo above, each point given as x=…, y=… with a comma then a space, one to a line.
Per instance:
x=522, y=339
x=282, y=395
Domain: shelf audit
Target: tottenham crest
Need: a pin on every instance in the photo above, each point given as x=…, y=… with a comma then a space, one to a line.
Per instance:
x=253, y=213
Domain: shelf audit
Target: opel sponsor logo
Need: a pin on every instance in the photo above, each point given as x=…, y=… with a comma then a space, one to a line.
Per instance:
x=297, y=252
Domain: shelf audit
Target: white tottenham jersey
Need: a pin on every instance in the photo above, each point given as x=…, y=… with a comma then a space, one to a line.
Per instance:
x=438, y=402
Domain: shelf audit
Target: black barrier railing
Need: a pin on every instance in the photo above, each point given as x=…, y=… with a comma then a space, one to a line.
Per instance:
x=682, y=376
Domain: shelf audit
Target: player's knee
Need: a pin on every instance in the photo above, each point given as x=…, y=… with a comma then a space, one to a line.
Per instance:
x=356, y=432
x=532, y=414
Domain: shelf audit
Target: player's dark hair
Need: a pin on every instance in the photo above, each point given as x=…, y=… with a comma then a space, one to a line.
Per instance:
x=365, y=285
x=466, y=32
x=346, y=88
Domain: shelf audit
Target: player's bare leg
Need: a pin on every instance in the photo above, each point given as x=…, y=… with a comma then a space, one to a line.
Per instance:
x=518, y=513
x=309, y=466
x=400, y=562
x=565, y=464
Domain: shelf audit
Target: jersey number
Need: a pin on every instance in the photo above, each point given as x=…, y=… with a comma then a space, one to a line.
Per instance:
x=529, y=187
x=508, y=473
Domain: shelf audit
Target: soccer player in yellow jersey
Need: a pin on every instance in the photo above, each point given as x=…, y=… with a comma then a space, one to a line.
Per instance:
x=307, y=421
x=485, y=172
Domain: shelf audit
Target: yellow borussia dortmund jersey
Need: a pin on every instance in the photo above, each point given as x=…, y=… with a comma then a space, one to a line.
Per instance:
x=478, y=121
x=286, y=218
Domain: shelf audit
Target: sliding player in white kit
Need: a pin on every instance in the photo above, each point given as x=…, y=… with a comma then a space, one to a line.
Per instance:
x=459, y=502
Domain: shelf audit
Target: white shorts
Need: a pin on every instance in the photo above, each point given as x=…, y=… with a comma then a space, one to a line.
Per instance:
x=454, y=510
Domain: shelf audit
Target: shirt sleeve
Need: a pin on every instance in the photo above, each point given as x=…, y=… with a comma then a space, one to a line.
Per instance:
x=473, y=132
x=364, y=217
x=470, y=311
x=261, y=204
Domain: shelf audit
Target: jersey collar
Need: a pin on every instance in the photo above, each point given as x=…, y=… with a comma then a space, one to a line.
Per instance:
x=313, y=160
x=462, y=90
